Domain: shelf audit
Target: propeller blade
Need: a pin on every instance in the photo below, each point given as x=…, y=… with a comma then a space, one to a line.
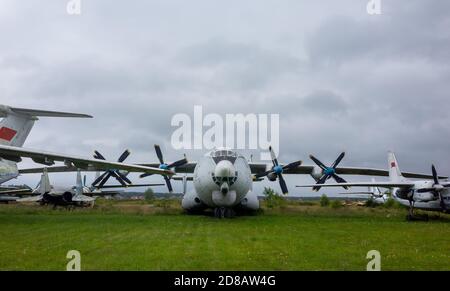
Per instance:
x=178, y=163
x=100, y=178
x=273, y=156
x=339, y=180
x=283, y=186
x=292, y=165
x=338, y=160
x=98, y=156
x=435, y=176
x=319, y=163
x=169, y=185
x=124, y=155
x=263, y=174
x=118, y=178
x=125, y=178
x=145, y=175
x=322, y=180
x=84, y=180
x=105, y=179
x=159, y=154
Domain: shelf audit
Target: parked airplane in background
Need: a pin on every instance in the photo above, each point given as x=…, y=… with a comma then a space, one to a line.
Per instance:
x=428, y=195
x=60, y=196
x=14, y=130
x=374, y=193
x=78, y=195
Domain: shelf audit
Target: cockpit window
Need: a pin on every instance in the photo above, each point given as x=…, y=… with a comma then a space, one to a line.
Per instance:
x=224, y=155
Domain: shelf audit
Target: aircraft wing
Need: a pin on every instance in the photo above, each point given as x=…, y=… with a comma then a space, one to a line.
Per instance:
x=184, y=169
x=380, y=172
x=363, y=184
x=15, y=191
x=82, y=198
x=258, y=168
x=36, y=198
x=46, y=158
x=8, y=198
x=129, y=186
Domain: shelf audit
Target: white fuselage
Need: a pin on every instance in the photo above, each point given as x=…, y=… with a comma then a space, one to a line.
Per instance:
x=425, y=200
x=222, y=178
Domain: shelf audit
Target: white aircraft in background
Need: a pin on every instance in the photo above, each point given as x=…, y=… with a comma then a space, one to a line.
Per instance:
x=375, y=194
x=46, y=193
x=15, y=128
x=431, y=195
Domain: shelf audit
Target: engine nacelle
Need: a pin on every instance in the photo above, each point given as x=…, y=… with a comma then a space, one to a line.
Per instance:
x=191, y=202
x=316, y=173
x=272, y=177
x=424, y=197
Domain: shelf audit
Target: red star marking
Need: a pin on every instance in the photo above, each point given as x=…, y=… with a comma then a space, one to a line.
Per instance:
x=7, y=133
x=393, y=165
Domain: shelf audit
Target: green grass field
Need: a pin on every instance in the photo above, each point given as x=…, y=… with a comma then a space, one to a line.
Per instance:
x=137, y=236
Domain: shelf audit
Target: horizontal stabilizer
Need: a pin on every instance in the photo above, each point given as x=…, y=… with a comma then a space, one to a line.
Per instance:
x=4, y=110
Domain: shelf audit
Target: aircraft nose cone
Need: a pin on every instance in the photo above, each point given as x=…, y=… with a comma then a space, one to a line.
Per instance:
x=224, y=169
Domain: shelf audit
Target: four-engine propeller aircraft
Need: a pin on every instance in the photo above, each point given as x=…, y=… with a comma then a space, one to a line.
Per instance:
x=431, y=195
x=223, y=179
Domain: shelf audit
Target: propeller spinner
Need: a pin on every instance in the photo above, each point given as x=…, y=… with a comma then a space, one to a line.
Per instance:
x=328, y=172
x=277, y=171
x=103, y=178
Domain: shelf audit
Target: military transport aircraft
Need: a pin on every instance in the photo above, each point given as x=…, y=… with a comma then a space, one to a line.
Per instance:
x=432, y=195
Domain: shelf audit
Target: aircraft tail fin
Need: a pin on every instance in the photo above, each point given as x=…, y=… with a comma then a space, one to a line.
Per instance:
x=44, y=185
x=79, y=185
x=184, y=184
x=395, y=175
x=18, y=122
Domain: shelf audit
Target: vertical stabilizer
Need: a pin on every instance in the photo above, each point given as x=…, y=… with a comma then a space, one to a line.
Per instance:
x=395, y=175
x=44, y=185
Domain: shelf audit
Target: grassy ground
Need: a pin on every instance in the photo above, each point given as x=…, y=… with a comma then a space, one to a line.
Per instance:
x=138, y=236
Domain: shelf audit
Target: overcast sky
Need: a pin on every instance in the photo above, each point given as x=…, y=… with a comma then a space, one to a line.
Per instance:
x=340, y=79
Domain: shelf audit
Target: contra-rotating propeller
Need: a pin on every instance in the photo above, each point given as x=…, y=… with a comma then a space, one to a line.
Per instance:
x=165, y=166
x=277, y=171
x=328, y=172
x=103, y=178
x=436, y=189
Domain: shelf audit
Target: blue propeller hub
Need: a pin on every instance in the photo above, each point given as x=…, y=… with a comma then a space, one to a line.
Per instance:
x=329, y=171
x=278, y=170
x=164, y=167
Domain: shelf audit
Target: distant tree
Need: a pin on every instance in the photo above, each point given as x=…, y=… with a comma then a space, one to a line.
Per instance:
x=149, y=194
x=324, y=200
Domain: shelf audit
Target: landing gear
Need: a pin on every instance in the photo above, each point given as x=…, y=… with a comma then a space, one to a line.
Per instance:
x=222, y=212
x=410, y=216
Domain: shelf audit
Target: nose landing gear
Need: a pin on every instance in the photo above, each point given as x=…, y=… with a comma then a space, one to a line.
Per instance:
x=222, y=212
